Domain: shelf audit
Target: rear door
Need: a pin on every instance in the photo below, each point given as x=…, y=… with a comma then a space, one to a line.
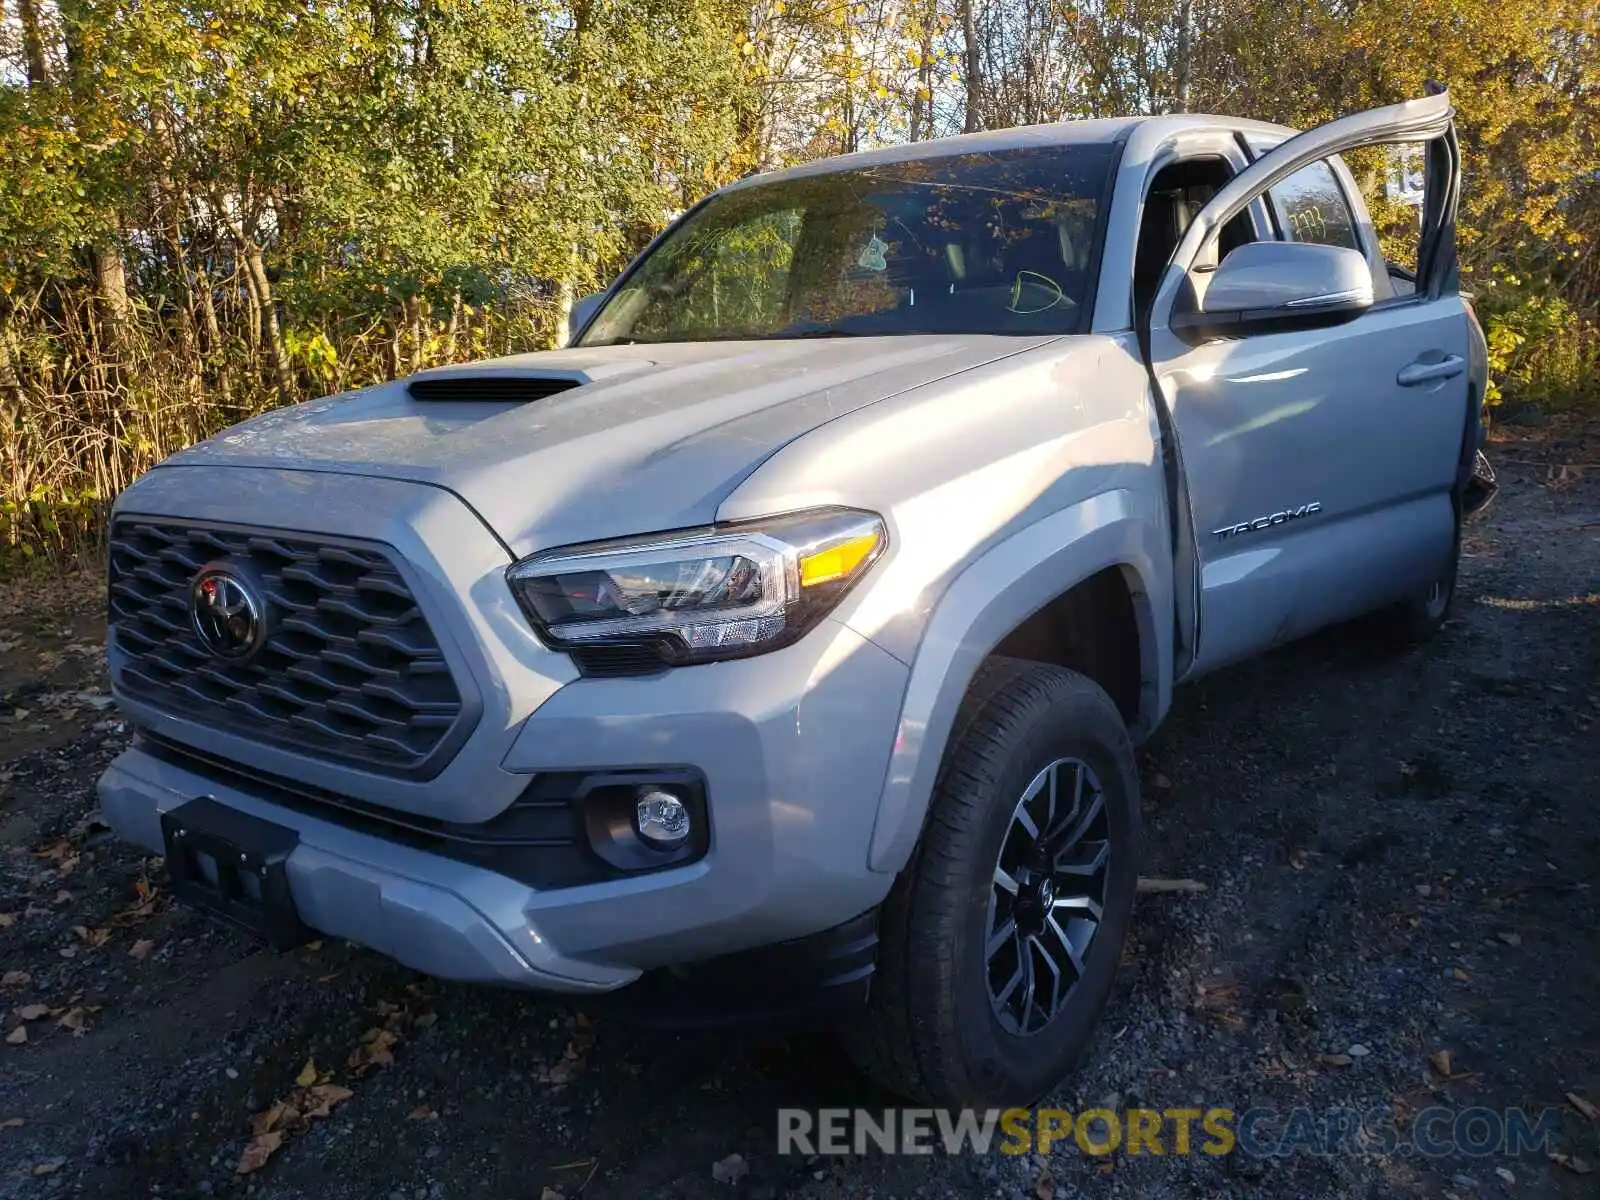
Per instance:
x=1318, y=464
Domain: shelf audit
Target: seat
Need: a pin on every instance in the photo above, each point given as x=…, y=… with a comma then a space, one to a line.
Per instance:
x=1166, y=216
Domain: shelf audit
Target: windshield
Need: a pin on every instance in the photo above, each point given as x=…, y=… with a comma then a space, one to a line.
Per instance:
x=1000, y=242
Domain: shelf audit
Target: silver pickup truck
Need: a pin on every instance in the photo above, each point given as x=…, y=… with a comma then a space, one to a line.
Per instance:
x=784, y=641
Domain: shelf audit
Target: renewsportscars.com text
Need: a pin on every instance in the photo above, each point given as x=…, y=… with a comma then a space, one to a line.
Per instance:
x=1257, y=1132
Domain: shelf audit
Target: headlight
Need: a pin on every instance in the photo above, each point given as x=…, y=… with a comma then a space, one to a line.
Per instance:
x=639, y=604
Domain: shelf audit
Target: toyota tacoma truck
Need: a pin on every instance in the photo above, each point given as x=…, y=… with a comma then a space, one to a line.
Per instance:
x=783, y=642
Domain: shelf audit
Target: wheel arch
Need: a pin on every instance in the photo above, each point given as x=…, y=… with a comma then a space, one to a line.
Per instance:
x=1103, y=556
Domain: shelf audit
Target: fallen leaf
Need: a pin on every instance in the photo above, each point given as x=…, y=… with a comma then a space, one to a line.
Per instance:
x=1441, y=1062
x=422, y=1113
x=329, y=978
x=375, y=1051
x=550, y=1193
x=1161, y=781
x=265, y=1122
x=1583, y=1106
x=12, y=1123
x=313, y=947
x=32, y=1012
x=146, y=897
x=1045, y=1188
x=75, y=1020
x=49, y=1167
x=141, y=949
x=257, y=1152
x=1459, y=975
x=7, y=920
x=326, y=1095
x=308, y=1074
x=1335, y=1060
x=730, y=1170
x=425, y=1020
x=17, y=1036
x=1510, y=938
x=15, y=979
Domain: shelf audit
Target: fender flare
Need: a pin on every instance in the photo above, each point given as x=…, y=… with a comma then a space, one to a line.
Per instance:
x=994, y=594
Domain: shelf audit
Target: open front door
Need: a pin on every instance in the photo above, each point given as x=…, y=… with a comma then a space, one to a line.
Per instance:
x=1318, y=420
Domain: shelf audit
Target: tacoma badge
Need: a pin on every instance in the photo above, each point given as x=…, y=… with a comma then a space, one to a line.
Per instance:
x=1283, y=516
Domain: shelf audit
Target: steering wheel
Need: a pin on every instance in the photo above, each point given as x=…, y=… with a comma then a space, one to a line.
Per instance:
x=1032, y=292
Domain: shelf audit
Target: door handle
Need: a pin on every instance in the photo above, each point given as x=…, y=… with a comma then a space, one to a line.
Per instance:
x=1419, y=372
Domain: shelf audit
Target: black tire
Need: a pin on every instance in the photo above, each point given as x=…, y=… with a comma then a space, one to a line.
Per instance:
x=1416, y=619
x=934, y=1030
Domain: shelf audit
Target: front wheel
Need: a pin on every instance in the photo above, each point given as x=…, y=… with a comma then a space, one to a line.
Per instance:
x=1000, y=940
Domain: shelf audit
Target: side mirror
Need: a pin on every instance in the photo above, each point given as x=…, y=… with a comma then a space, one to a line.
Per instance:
x=1263, y=286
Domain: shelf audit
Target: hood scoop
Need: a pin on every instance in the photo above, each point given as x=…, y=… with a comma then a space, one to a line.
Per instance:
x=492, y=389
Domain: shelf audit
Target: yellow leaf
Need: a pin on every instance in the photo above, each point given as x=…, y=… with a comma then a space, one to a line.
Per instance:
x=308, y=1074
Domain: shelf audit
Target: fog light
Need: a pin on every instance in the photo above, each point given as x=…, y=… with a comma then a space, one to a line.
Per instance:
x=663, y=821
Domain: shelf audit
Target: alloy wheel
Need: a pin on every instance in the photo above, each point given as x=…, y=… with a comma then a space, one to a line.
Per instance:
x=1047, y=896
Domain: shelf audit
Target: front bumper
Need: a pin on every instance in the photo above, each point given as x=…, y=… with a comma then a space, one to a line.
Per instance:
x=427, y=912
x=793, y=748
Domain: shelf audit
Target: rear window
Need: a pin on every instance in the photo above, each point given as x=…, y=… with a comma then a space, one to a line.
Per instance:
x=1312, y=208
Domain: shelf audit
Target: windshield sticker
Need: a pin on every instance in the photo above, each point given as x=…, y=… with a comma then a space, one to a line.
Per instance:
x=872, y=258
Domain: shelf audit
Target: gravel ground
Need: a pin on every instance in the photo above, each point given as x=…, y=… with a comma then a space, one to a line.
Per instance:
x=1399, y=857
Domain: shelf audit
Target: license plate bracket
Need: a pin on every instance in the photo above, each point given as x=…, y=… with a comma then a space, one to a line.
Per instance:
x=234, y=866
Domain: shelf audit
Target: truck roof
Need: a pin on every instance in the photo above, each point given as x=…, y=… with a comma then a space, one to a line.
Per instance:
x=1099, y=130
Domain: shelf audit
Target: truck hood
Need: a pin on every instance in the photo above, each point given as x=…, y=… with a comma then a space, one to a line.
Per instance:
x=645, y=438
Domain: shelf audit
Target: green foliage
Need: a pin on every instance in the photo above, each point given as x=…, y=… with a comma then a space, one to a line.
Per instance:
x=209, y=207
x=1542, y=350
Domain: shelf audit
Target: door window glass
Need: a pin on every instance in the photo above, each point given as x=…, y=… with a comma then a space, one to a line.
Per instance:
x=1312, y=208
x=1391, y=181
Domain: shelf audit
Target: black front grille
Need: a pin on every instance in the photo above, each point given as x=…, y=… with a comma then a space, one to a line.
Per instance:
x=350, y=671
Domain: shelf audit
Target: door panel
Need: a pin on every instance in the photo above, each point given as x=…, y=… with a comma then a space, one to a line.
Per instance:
x=1319, y=463
x=1319, y=485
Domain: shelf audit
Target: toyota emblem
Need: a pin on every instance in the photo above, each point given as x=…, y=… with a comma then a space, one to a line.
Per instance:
x=227, y=614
